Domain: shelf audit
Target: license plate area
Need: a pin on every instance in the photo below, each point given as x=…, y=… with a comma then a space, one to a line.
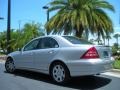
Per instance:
x=105, y=54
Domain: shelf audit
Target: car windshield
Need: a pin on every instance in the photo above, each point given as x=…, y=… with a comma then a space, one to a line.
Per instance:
x=75, y=40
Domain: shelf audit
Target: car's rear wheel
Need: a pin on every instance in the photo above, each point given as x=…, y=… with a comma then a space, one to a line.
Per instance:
x=9, y=65
x=59, y=73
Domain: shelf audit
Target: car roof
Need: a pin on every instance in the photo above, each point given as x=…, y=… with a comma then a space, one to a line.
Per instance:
x=50, y=36
x=61, y=41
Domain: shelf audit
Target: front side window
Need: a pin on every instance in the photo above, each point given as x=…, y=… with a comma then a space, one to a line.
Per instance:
x=48, y=43
x=32, y=45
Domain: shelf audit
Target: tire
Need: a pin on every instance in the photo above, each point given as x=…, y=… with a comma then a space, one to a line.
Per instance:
x=59, y=72
x=9, y=65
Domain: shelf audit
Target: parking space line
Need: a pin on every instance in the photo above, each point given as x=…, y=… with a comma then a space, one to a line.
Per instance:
x=2, y=62
x=112, y=74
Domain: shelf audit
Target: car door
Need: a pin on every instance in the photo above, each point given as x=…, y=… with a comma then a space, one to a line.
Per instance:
x=48, y=48
x=26, y=58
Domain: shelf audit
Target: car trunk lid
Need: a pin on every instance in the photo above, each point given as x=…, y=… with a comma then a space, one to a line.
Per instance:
x=103, y=51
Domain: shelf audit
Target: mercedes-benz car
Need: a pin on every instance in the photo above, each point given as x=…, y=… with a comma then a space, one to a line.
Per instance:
x=61, y=57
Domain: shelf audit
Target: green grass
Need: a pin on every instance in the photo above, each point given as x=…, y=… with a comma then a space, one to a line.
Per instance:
x=116, y=64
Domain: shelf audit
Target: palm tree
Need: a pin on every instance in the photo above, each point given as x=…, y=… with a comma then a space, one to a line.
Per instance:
x=79, y=15
x=20, y=37
x=30, y=31
x=92, y=40
x=116, y=36
x=108, y=37
x=3, y=41
x=99, y=41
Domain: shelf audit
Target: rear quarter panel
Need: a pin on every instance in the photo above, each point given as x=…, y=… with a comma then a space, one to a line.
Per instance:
x=71, y=53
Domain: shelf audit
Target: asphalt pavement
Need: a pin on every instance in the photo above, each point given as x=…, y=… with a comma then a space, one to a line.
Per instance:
x=26, y=80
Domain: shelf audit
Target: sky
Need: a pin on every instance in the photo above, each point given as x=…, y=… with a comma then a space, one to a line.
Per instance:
x=23, y=11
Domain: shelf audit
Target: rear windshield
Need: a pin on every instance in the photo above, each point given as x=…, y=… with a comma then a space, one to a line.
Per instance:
x=75, y=40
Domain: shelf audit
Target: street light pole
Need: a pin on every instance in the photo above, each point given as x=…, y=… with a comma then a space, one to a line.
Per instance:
x=1, y=18
x=19, y=22
x=8, y=27
x=47, y=15
x=46, y=7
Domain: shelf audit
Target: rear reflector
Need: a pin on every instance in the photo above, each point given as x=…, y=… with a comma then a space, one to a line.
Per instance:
x=90, y=54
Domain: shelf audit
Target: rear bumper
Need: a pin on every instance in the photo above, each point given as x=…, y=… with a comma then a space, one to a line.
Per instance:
x=80, y=68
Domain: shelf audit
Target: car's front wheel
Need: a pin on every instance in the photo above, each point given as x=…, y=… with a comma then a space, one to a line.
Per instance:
x=9, y=65
x=59, y=73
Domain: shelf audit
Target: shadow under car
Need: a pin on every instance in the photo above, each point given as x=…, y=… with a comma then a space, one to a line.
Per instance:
x=82, y=83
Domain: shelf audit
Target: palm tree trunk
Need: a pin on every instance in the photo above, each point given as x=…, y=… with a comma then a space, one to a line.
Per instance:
x=79, y=33
x=104, y=40
x=98, y=37
x=108, y=42
x=117, y=42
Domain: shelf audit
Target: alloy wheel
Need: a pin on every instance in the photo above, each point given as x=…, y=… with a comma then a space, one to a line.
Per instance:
x=58, y=73
x=9, y=65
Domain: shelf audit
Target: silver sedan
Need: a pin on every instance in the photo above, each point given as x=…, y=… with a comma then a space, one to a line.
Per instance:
x=61, y=57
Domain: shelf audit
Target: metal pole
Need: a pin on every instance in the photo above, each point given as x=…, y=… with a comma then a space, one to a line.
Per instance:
x=8, y=27
x=19, y=22
x=46, y=7
x=1, y=18
x=47, y=15
x=47, y=20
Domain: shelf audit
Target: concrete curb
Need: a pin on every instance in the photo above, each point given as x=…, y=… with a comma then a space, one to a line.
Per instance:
x=2, y=61
x=2, y=57
x=115, y=70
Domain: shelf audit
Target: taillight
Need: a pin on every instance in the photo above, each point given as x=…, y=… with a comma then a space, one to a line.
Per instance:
x=90, y=54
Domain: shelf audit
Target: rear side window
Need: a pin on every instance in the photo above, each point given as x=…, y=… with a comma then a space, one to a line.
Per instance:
x=75, y=40
x=47, y=43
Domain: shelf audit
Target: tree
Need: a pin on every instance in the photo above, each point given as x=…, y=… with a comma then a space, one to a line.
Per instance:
x=30, y=31
x=3, y=41
x=108, y=37
x=115, y=48
x=116, y=36
x=20, y=37
x=79, y=16
x=91, y=40
x=99, y=41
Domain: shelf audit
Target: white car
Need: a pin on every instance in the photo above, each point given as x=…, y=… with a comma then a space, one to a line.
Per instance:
x=61, y=57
